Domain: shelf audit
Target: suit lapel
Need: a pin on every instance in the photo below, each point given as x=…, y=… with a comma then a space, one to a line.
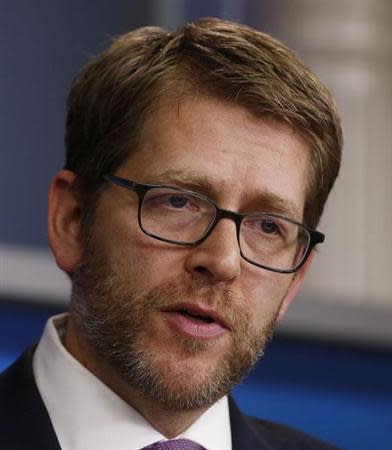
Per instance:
x=25, y=422
x=243, y=432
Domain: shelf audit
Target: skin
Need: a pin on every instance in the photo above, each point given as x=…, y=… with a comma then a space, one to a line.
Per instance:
x=243, y=163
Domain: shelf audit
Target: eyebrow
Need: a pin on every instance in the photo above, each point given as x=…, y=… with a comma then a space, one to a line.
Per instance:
x=267, y=200
x=277, y=204
x=188, y=180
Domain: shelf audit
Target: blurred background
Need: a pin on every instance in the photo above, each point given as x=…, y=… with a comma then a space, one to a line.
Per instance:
x=329, y=368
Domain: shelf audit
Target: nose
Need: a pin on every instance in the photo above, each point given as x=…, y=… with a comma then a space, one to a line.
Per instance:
x=218, y=257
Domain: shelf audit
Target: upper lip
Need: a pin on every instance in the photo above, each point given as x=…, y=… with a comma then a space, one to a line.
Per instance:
x=200, y=310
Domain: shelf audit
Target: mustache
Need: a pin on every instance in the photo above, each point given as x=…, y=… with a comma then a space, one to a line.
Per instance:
x=222, y=299
x=91, y=273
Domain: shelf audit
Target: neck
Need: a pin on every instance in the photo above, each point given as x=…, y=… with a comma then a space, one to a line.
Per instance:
x=168, y=422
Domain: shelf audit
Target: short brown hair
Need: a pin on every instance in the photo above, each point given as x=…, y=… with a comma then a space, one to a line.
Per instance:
x=110, y=97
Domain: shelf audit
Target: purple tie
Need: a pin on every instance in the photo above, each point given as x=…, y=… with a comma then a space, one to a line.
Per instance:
x=175, y=444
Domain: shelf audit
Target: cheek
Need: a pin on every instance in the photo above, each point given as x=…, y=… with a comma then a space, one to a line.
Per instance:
x=265, y=293
x=143, y=261
x=136, y=258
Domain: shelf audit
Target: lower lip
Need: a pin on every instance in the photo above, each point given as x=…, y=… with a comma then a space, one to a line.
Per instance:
x=190, y=328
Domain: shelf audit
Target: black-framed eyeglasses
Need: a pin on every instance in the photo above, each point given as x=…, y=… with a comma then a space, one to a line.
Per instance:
x=182, y=217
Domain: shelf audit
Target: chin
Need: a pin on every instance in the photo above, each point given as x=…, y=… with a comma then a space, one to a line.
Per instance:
x=184, y=380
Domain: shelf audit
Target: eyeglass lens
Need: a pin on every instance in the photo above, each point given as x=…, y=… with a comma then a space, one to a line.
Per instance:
x=182, y=217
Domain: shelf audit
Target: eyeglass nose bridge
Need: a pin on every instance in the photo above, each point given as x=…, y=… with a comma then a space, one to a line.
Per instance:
x=224, y=214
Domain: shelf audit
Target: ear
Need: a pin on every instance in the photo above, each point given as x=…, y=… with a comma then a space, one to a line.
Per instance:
x=64, y=221
x=295, y=286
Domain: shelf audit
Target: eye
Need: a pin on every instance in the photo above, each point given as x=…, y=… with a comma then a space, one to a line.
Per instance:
x=269, y=227
x=178, y=201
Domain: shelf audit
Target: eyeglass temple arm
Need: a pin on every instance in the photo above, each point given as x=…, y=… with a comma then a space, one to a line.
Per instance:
x=317, y=237
x=120, y=181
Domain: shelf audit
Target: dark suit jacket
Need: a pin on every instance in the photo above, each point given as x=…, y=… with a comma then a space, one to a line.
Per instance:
x=25, y=423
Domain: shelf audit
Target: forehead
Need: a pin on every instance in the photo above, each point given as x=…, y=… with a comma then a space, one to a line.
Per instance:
x=224, y=151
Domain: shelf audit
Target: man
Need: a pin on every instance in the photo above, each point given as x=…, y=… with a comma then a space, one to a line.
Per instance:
x=198, y=165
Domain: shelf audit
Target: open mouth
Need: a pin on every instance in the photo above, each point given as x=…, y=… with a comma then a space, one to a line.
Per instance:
x=198, y=313
x=196, y=320
x=196, y=317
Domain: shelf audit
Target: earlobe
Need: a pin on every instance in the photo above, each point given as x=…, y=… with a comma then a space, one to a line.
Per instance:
x=64, y=221
x=295, y=286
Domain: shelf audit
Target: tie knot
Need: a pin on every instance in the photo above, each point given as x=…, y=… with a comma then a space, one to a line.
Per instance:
x=174, y=444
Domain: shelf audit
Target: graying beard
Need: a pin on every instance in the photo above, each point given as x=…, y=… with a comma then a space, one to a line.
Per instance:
x=92, y=285
x=137, y=369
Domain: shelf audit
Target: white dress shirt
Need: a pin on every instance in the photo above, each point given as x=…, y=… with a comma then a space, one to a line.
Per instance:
x=87, y=415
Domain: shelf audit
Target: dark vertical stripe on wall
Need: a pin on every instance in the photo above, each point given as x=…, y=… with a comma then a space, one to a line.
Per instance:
x=43, y=44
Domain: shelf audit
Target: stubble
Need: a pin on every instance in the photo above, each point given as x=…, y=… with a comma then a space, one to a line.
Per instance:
x=114, y=319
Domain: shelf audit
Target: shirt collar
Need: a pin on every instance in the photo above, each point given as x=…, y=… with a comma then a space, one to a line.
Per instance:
x=86, y=414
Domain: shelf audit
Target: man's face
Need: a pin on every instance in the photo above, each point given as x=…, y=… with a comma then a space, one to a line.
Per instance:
x=136, y=295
